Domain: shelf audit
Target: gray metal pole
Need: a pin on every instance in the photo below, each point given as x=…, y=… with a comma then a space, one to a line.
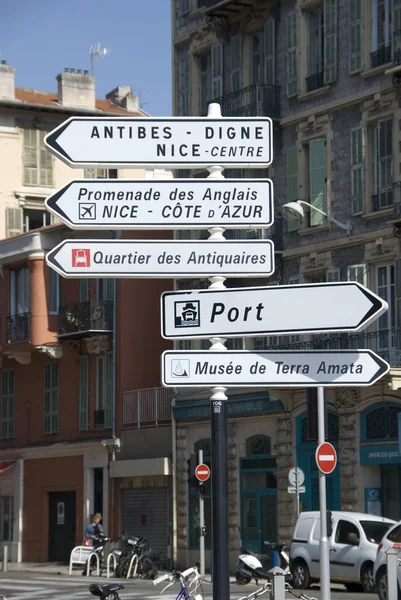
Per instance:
x=201, y=524
x=297, y=492
x=324, y=542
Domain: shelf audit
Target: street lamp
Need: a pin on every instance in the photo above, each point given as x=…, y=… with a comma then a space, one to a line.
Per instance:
x=293, y=211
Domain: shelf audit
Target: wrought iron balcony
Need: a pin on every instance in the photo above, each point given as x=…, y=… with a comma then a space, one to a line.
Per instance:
x=256, y=100
x=150, y=407
x=314, y=82
x=225, y=7
x=386, y=343
x=380, y=57
x=85, y=318
x=18, y=328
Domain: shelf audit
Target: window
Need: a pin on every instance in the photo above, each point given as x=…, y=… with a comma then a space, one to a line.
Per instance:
x=34, y=219
x=381, y=32
x=217, y=70
x=105, y=289
x=382, y=140
x=183, y=87
x=19, y=291
x=38, y=162
x=256, y=58
x=51, y=398
x=100, y=173
x=236, y=63
x=104, y=388
x=183, y=7
x=7, y=403
x=54, y=292
x=395, y=535
x=7, y=518
x=316, y=152
x=357, y=170
x=258, y=444
x=333, y=275
x=83, y=393
x=380, y=423
x=386, y=324
x=357, y=273
x=205, y=83
x=321, y=23
x=344, y=528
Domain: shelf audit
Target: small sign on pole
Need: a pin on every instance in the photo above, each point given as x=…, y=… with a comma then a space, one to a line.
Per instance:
x=202, y=472
x=326, y=458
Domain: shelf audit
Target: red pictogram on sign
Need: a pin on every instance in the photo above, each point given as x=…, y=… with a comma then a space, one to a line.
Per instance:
x=326, y=458
x=81, y=257
x=202, y=472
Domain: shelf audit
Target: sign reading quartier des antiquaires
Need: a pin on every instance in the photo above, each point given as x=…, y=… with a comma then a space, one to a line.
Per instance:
x=180, y=142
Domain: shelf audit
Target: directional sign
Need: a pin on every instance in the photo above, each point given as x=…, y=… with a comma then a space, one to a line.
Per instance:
x=202, y=472
x=296, y=476
x=284, y=309
x=293, y=490
x=326, y=458
x=276, y=368
x=179, y=142
x=164, y=204
x=151, y=258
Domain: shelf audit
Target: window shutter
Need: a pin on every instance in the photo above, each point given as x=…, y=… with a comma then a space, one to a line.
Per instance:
x=236, y=63
x=317, y=179
x=292, y=183
x=292, y=52
x=330, y=41
x=13, y=221
x=357, y=273
x=357, y=170
x=269, y=44
x=84, y=290
x=217, y=71
x=51, y=398
x=30, y=157
x=84, y=393
x=45, y=162
x=356, y=36
x=7, y=403
x=108, y=392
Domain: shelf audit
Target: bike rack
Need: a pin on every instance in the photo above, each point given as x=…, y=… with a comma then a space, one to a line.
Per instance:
x=134, y=558
x=89, y=564
x=111, y=555
x=79, y=555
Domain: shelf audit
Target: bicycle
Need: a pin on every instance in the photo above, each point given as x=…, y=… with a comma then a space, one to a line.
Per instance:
x=194, y=591
x=268, y=588
x=108, y=591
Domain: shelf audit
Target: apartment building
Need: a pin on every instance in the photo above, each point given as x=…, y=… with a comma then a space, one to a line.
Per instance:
x=328, y=73
x=79, y=358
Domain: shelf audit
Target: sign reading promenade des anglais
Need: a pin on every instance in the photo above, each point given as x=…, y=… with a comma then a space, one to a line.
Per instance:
x=187, y=142
x=164, y=204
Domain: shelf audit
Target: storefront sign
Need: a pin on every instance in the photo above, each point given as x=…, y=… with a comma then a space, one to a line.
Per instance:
x=380, y=454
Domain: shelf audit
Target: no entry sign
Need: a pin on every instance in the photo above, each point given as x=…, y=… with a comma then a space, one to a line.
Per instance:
x=326, y=458
x=202, y=472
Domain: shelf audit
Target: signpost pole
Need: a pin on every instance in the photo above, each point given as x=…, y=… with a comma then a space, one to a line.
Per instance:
x=201, y=524
x=219, y=439
x=324, y=542
x=297, y=491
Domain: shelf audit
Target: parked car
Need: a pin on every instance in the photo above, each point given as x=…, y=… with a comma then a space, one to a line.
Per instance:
x=352, y=544
x=392, y=539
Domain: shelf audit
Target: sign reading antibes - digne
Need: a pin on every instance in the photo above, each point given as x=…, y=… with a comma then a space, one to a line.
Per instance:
x=181, y=141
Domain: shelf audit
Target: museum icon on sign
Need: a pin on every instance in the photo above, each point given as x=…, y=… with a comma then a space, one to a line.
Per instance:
x=186, y=314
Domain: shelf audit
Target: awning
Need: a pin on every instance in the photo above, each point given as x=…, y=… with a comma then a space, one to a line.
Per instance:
x=4, y=466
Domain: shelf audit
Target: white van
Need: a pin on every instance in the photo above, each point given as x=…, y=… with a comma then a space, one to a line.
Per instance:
x=352, y=545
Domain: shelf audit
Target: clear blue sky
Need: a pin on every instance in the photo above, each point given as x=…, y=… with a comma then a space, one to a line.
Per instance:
x=42, y=37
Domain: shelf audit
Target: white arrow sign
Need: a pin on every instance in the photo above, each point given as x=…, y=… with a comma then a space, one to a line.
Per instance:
x=151, y=258
x=284, y=309
x=172, y=142
x=164, y=204
x=276, y=368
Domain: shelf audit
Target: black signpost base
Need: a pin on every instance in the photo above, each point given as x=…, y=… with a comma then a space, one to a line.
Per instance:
x=220, y=565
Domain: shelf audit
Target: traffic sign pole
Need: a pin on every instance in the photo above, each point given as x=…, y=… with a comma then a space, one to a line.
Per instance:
x=201, y=525
x=324, y=542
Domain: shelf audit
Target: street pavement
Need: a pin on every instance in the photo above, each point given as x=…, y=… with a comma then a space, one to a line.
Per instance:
x=27, y=586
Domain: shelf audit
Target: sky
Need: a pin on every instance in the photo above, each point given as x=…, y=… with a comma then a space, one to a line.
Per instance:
x=39, y=38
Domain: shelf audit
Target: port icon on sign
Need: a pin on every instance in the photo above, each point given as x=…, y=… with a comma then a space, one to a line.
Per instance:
x=81, y=257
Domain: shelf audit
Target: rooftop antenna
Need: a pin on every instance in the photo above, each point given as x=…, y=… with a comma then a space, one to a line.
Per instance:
x=97, y=50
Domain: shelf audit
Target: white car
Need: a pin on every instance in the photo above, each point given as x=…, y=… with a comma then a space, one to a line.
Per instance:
x=352, y=546
x=392, y=539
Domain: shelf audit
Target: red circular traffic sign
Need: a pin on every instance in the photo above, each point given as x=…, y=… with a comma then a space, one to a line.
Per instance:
x=202, y=472
x=326, y=458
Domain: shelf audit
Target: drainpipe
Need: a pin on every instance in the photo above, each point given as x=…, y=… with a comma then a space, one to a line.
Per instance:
x=21, y=508
x=174, y=474
x=112, y=482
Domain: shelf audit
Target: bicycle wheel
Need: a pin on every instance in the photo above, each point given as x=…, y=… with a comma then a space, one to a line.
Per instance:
x=147, y=569
x=196, y=590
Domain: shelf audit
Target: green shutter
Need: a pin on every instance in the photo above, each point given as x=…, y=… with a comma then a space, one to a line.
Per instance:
x=217, y=70
x=7, y=403
x=292, y=183
x=236, y=62
x=357, y=170
x=269, y=44
x=14, y=224
x=51, y=392
x=356, y=36
x=45, y=162
x=292, y=54
x=317, y=180
x=330, y=41
x=84, y=393
x=108, y=390
x=30, y=157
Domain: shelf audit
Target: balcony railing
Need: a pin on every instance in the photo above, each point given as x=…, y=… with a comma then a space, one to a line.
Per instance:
x=314, y=82
x=386, y=343
x=380, y=57
x=256, y=100
x=150, y=407
x=18, y=328
x=86, y=317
